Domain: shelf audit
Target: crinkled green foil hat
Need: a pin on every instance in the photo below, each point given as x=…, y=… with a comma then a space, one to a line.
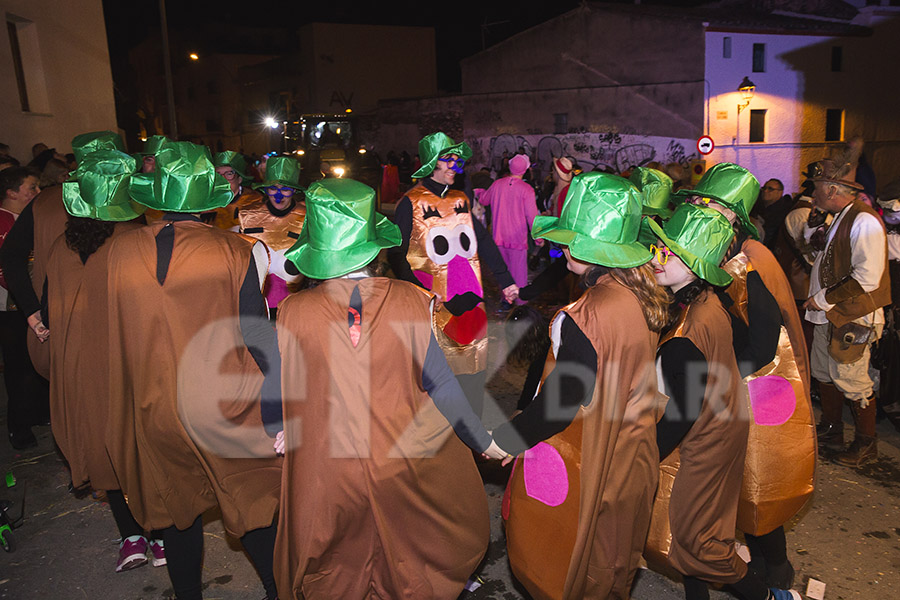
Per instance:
x=98, y=188
x=281, y=170
x=731, y=186
x=436, y=145
x=599, y=222
x=185, y=181
x=85, y=143
x=153, y=145
x=699, y=236
x=236, y=162
x=342, y=232
x=656, y=188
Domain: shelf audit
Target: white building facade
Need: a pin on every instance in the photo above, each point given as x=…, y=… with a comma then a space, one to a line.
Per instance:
x=54, y=73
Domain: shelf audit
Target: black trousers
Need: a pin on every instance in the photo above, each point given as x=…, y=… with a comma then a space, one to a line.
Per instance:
x=28, y=394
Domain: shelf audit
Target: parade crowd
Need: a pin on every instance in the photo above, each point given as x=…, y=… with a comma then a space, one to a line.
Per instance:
x=201, y=332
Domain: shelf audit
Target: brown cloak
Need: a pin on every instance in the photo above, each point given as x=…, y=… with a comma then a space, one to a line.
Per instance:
x=589, y=546
x=79, y=359
x=380, y=499
x=186, y=432
x=694, y=515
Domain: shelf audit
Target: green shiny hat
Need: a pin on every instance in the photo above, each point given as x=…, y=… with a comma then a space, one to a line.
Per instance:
x=436, y=145
x=236, y=161
x=281, y=170
x=699, y=236
x=153, y=144
x=185, y=181
x=731, y=186
x=342, y=232
x=599, y=222
x=98, y=188
x=656, y=189
x=85, y=143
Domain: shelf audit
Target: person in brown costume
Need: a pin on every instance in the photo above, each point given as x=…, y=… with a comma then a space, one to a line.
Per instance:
x=379, y=498
x=232, y=166
x=74, y=300
x=579, y=497
x=710, y=432
x=194, y=368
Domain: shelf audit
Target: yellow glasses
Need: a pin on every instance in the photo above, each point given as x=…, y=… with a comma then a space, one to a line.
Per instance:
x=698, y=200
x=662, y=253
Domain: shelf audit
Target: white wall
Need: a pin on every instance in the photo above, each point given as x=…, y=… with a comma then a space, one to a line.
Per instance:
x=779, y=91
x=67, y=72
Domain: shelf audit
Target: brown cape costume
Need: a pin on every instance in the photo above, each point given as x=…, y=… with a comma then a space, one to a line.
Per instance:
x=589, y=546
x=79, y=359
x=186, y=432
x=694, y=516
x=380, y=499
x=50, y=219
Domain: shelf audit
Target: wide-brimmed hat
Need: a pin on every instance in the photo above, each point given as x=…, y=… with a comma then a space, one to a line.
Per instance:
x=656, y=190
x=342, y=232
x=436, y=145
x=732, y=186
x=185, y=181
x=564, y=168
x=699, y=236
x=236, y=161
x=281, y=170
x=85, y=143
x=839, y=169
x=98, y=188
x=153, y=145
x=599, y=222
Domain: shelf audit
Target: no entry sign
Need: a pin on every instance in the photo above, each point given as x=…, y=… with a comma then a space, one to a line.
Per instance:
x=705, y=145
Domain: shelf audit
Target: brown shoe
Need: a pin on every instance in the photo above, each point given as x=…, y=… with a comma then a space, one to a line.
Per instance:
x=862, y=450
x=830, y=434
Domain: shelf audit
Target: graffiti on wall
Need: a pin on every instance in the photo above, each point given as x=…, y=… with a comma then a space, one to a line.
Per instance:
x=609, y=151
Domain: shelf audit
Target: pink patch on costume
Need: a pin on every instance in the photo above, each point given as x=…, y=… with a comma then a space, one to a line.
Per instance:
x=772, y=399
x=276, y=290
x=504, y=505
x=461, y=278
x=426, y=278
x=544, y=471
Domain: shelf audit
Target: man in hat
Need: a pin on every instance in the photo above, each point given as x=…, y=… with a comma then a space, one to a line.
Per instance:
x=848, y=286
x=233, y=167
x=441, y=248
x=195, y=370
x=513, y=210
x=276, y=220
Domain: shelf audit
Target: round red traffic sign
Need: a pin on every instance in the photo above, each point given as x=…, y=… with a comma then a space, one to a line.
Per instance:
x=705, y=145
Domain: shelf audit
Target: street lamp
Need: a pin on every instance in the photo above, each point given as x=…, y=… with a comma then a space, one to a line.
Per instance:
x=746, y=90
x=194, y=56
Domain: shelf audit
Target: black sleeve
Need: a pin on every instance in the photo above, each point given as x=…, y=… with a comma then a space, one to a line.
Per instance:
x=533, y=378
x=567, y=388
x=440, y=383
x=397, y=255
x=755, y=344
x=678, y=357
x=262, y=342
x=546, y=280
x=45, y=310
x=490, y=255
x=14, y=255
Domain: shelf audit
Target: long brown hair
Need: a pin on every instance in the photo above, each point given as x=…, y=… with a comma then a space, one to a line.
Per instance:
x=653, y=298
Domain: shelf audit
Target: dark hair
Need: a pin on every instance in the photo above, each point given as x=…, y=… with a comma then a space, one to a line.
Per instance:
x=8, y=160
x=13, y=178
x=51, y=172
x=778, y=181
x=526, y=335
x=686, y=296
x=85, y=236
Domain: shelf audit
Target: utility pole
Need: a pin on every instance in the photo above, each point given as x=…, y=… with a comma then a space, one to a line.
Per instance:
x=167, y=60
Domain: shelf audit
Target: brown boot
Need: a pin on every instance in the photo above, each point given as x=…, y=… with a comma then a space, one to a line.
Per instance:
x=864, y=448
x=830, y=430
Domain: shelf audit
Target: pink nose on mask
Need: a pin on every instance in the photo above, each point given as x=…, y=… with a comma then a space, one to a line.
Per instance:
x=461, y=278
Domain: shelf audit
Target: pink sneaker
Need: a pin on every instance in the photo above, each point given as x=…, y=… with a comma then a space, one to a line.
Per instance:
x=157, y=553
x=132, y=553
